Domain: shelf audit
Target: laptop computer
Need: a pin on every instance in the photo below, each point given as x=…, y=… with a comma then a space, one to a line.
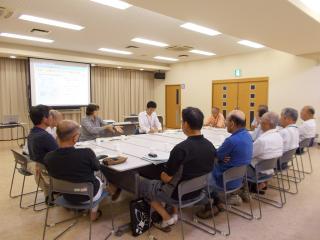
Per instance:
x=10, y=119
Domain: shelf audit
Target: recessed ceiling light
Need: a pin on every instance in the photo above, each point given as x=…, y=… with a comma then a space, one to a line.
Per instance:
x=114, y=3
x=202, y=52
x=166, y=58
x=251, y=44
x=12, y=56
x=50, y=22
x=200, y=29
x=119, y=67
x=24, y=37
x=141, y=69
x=114, y=51
x=149, y=42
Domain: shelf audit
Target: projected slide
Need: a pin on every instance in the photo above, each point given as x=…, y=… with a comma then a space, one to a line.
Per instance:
x=58, y=83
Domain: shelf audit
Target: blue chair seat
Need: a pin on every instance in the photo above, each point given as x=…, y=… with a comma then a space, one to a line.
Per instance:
x=262, y=178
x=61, y=201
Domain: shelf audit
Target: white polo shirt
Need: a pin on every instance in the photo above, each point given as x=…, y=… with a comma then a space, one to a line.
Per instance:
x=52, y=131
x=147, y=122
x=268, y=145
x=290, y=136
x=256, y=133
x=307, y=129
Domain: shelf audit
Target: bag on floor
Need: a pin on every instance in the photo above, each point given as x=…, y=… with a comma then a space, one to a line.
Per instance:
x=140, y=216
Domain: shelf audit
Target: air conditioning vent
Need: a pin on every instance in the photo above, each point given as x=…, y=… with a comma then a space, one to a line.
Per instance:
x=40, y=32
x=5, y=13
x=178, y=48
x=183, y=56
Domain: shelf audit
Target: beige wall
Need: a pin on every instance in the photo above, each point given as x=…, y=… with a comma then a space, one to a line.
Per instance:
x=293, y=81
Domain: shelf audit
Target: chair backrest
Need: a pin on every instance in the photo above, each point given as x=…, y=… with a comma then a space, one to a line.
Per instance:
x=305, y=143
x=20, y=159
x=192, y=185
x=128, y=129
x=287, y=156
x=131, y=119
x=266, y=164
x=234, y=173
x=161, y=120
x=62, y=186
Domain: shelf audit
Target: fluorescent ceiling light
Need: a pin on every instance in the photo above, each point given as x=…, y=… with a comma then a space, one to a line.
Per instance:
x=114, y=3
x=202, y=52
x=166, y=58
x=149, y=42
x=119, y=67
x=12, y=57
x=50, y=22
x=114, y=51
x=141, y=69
x=251, y=44
x=310, y=7
x=24, y=37
x=200, y=29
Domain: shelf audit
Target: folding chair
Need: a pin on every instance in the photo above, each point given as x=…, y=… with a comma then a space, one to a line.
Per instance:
x=43, y=171
x=261, y=166
x=286, y=159
x=189, y=186
x=21, y=162
x=305, y=144
x=228, y=176
x=85, y=189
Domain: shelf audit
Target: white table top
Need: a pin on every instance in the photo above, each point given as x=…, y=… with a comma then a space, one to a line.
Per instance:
x=135, y=147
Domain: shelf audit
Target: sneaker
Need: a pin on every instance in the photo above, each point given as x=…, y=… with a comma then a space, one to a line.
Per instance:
x=245, y=196
x=234, y=199
x=205, y=213
x=165, y=225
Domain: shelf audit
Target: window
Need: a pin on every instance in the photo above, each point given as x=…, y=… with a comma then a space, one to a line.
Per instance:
x=252, y=87
x=224, y=95
x=224, y=88
x=252, y=95
x=252, y=104
x=224, y=104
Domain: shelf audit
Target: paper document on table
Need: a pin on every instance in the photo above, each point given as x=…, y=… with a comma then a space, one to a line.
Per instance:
x=161, y=158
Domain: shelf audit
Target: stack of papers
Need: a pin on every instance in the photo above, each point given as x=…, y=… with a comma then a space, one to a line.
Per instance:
x=161, y=158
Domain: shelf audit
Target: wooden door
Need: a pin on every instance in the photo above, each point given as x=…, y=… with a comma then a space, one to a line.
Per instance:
x=173, y=106
x=224, y=96
x=251, y=95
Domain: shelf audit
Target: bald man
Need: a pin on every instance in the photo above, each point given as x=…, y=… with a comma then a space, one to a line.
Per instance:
x=235, y=151
x=74, y=165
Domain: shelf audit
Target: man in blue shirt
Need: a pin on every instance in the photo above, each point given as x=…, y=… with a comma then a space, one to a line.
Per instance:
x=40, y=142
x=235, y=151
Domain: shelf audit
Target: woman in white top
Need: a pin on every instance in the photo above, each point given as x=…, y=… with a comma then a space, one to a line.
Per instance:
x=148, y=120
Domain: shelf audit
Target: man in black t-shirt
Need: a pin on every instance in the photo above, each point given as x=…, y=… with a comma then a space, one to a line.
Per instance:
x=191, y=158
x=40, y=142
x=74, y=165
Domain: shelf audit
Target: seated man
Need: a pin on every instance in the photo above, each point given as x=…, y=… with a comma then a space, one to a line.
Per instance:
x=191, y=158
x=235, y=151
x=268, y=145
x=148, y=120
x=40, y=142
x=74, y=165
x=289, y=131
x=308, y=128
x=56, y=118
x=216, y=119
x=92, y=125
x=255, y=125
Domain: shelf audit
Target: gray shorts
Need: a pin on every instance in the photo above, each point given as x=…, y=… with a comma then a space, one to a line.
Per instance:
x=151, y=190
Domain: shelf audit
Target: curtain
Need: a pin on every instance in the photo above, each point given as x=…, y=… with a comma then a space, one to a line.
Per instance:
x=119, y=92
x=13, y=93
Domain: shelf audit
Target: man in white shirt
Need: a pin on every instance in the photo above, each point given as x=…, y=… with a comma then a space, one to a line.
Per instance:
x=269, y=145
x=308, y=128
x=255, y=125
x=148, y=120
x=56, y=118
x=289, y=131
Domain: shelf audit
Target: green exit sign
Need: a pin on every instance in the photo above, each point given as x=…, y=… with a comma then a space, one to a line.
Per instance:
x=237, y=72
